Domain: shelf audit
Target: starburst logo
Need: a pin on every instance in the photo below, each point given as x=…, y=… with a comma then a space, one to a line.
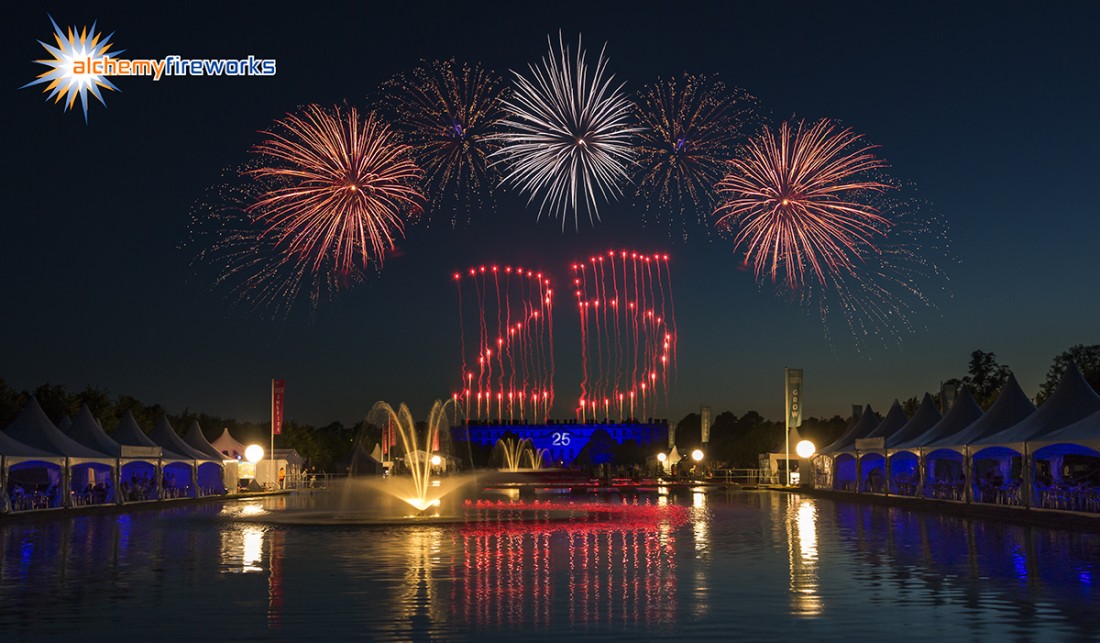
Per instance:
x=82, y=64
x=69, y=75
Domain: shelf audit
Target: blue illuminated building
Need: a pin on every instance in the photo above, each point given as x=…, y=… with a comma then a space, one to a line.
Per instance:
x=564, y=439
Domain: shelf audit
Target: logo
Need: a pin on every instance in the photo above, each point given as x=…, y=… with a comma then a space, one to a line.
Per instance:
x=83, y=63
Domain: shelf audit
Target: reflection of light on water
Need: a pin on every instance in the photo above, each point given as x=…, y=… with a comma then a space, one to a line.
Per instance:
x=249, y=510
x=243, y=549
x=423, y=553
x=807, y=533
x=253, y=549
x=700, y=527
x=802, y=527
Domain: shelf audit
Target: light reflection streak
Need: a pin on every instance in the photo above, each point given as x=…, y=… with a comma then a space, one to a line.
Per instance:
x=700, y=527
x=617, y=573
x=806, y=600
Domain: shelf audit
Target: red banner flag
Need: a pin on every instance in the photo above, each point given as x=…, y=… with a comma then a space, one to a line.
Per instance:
x=278, y=392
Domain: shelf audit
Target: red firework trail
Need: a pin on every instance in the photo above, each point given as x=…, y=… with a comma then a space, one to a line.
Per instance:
x=508, y=368
x=628, y=333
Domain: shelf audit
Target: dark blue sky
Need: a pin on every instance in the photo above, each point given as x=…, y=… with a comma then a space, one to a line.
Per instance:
x=990, y=113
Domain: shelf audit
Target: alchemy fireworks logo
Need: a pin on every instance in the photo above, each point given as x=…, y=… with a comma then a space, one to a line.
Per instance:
x=82, y=63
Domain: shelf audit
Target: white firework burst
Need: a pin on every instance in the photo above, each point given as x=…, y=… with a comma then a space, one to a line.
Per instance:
x=567, y=139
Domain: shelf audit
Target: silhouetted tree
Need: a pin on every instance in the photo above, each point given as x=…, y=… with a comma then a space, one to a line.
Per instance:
x=985, y=377
x=1087, y=359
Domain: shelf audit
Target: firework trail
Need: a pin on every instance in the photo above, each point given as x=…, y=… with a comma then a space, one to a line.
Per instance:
x=567, y=139
x=448, y=112
x=507, y=356
x=814, y=213
x=628, y=333
x=690, y=125
x=338, y=189
x=880, y=301
x=232, y=254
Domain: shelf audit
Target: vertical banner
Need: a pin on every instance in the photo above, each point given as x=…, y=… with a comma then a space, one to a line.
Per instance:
x=704, y=423
x=278, y=391
x=671, y=435
x=794, y=397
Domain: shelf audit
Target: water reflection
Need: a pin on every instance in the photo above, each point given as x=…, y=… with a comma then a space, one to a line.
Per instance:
x=700, y=528
x=632, y=572
x=602, y=575
x=802, y=557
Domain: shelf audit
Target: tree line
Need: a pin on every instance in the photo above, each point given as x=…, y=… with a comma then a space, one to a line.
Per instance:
x=735, y=441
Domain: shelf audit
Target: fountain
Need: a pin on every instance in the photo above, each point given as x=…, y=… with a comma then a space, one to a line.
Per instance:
x=511, y=453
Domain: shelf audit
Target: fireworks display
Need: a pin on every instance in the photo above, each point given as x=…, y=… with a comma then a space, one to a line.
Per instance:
x=800, y=202
x=628, y=334
x=339, y=188
x=506, y=326
x=567, y=139
x=251, y=267
x=880, y=301
x=689, y=128
x=447, y=113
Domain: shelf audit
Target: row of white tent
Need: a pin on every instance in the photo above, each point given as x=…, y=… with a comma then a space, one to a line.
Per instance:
x=43, y=465
x=1012, y=454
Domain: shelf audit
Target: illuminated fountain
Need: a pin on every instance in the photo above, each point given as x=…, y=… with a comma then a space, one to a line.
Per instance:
x=511, y=453
x=417, y=488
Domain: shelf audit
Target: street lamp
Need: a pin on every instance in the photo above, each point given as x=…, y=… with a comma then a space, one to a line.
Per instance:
x=254, y=453
x=661, y=458
x=805, y=449
x=697, y=456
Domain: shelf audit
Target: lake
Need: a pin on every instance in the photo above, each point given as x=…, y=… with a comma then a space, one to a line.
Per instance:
x=691, y=564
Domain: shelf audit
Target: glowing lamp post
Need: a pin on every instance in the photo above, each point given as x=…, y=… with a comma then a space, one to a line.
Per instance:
x=436, y=461
x=697, y=456
x=661, y=458
x=805, y=450
x=253, y=454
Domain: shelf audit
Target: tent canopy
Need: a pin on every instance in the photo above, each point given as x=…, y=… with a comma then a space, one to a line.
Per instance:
x=964, y=412
x=85, y=430
x=926, y=417
x=867, y=422
x=195, y=439
x=129, y=433
x=894, y=420
x=1012, y=405
x=33, y=428
x=1071, y=401
x=228, y=446
x=173, y=445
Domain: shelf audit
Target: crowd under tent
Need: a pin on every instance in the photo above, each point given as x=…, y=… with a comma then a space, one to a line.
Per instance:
x=84, y=467
x=843, y=464
x=85, y=430
x=27, y=474
x=139, y=476
x=940, y=474
x=903, y=467
x=1067, y=466
x=871, y=464
x=1002, y=469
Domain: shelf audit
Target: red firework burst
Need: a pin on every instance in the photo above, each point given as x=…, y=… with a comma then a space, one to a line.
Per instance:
x=800, y=202
x=338, y=188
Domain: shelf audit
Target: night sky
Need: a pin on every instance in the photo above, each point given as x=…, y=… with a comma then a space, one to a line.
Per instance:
x=991, y=114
